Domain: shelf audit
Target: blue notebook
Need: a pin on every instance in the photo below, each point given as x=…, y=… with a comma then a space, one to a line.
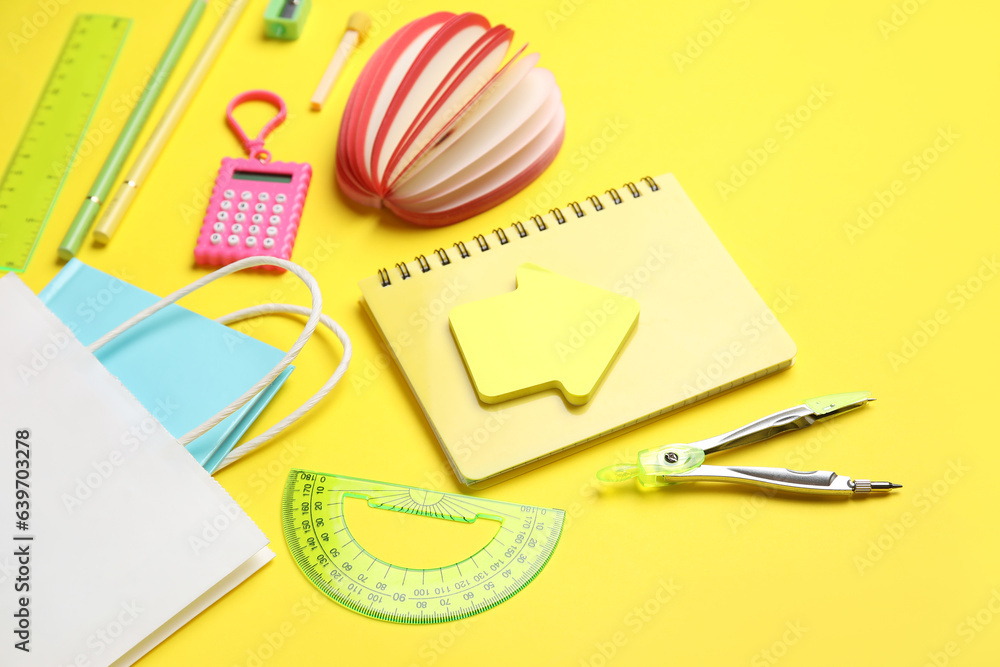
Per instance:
x=181, y=366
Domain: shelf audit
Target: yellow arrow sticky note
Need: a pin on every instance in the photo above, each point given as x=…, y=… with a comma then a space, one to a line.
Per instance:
x=552, y=332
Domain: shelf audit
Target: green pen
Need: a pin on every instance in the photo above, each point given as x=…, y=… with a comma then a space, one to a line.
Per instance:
x=133, y=126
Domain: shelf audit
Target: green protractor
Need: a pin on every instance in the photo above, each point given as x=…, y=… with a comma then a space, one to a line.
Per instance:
x=322, y=545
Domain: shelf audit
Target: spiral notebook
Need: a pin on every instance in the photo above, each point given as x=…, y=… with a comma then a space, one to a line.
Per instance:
x=702, y=328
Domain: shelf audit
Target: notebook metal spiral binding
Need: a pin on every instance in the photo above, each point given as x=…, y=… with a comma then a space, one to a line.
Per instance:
x=522, y=231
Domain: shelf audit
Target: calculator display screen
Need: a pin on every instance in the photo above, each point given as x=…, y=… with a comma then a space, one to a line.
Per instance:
x=259, y=176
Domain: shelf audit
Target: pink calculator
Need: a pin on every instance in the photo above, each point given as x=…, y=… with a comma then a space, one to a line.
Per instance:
x=254, y=211
x=256, y=204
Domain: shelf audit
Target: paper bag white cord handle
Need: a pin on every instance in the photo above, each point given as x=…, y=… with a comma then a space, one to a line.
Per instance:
x=307, y=331
x=266, y=309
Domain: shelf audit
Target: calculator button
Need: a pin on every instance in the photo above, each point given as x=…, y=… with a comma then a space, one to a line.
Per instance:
x=225, y=205
x=251, y=242
x=221, y=215
x=243, y=206
x=257, y=218
x=262, y=196
x=233, y=239
x=229, y=194
x=278, y=208
x=240, y=217
x=236, y=228
x=272, y=231
x=215, y=239
x=280, y=198
x=246, y=195
x=260, y=208
x=254, y=230
x=268, y=243
x=274, y=219
x=218, y=227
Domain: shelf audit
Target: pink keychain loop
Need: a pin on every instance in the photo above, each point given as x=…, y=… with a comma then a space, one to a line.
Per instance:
x=255, y=147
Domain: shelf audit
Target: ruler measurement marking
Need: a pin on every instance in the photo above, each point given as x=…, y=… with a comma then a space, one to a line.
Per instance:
x=31, y=183
x=350, y=591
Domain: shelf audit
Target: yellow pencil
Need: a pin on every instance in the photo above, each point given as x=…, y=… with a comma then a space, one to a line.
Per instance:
x=358, y=26
x=171, y=117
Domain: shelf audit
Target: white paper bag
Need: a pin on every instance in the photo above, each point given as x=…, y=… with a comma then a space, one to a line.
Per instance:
x=111, y=534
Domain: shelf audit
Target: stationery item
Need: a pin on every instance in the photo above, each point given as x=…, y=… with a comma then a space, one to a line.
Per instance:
x=702, y=329
x=80, y=226
x=338, y=373
x=55, y=133
x=315, y=318
x=180, y=366
x=358, y=25
x=285, y=19
x=148, y=539
x=672, y=464
x=256, y=204
x=318, y=536
x=143, y=164
x=490, y=336
x=437, y=130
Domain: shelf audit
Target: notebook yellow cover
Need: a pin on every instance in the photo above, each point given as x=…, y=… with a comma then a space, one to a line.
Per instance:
x=702, y=328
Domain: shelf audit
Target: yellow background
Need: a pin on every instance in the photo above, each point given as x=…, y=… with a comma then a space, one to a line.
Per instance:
x=888, y=580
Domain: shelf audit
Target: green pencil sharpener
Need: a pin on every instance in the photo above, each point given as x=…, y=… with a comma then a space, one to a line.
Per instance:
x=284, y=19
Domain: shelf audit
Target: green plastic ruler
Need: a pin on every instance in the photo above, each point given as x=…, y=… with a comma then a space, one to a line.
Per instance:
x=323, y=547
x=42, y=159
